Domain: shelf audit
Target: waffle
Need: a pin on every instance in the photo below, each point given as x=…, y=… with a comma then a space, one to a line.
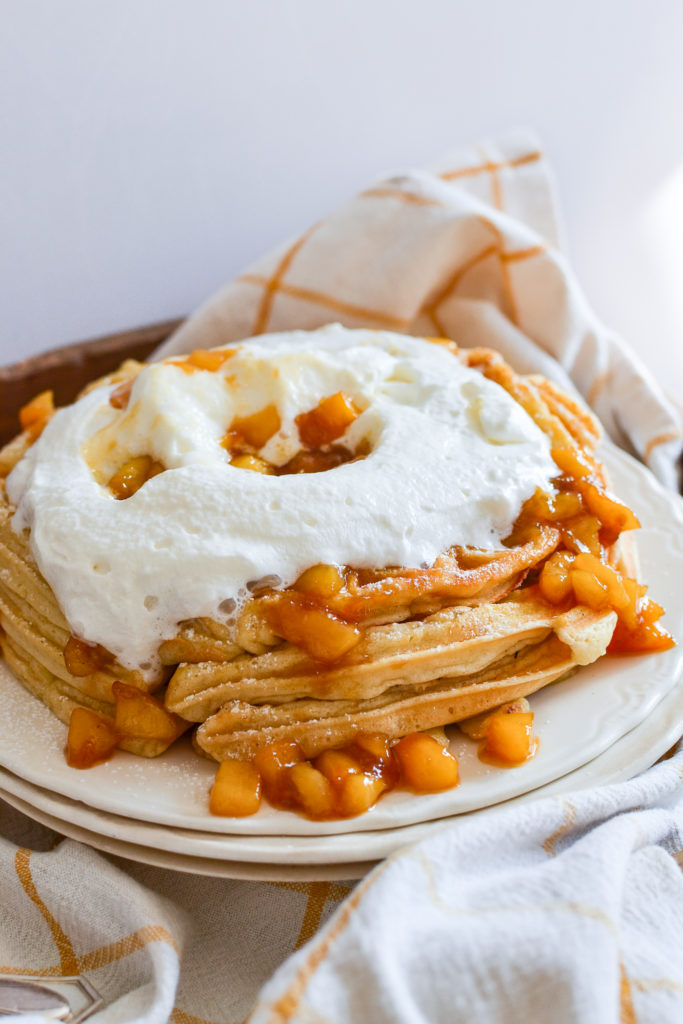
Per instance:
x=459, y=684
x=436, y=645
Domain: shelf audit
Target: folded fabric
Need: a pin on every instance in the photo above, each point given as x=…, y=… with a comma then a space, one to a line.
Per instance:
x=467, y=250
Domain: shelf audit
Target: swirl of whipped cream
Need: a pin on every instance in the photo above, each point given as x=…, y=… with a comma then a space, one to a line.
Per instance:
x=451, y=459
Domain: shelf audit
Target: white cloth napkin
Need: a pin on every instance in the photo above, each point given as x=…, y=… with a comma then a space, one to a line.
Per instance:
x=561, y=910
x=565, y=911
x=468, y=250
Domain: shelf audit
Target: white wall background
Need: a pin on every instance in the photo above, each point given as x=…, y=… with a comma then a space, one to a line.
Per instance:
x=152, y=148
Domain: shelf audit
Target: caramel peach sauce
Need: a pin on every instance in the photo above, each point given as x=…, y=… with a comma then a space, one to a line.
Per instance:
x=323, y=610
x=590, y=521
x=139, y=716
x=339, y=783
x=318, y=429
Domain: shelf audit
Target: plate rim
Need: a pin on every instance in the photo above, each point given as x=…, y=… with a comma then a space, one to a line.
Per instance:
x=607, y=768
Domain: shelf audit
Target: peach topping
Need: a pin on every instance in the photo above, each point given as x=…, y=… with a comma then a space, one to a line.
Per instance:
x=320, y=580
x=317, y=430
x=591, y=520
x=92, y=738
x=236, y=791
x=338, y=783
x=204, y=359
x=132, y=475
x=82, y=659
x=252, y=432
x=120, y=396
x=252, y=462
x=328, y=421
x=598, y=585
x=509, y=739
x=141, y=715
x=36, y=414
x=301, y=621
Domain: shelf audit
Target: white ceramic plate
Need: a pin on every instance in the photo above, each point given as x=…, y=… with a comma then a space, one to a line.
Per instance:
x=576, y=720
x=193, y=865
x=315, y=858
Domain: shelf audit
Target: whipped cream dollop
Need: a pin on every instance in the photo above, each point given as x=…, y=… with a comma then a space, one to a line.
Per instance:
x=451, y=459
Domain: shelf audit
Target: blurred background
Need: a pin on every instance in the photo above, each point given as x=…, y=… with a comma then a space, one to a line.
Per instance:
x=153, y=148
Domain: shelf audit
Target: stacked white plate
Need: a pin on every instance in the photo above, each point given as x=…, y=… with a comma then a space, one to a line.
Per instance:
x=604, y=724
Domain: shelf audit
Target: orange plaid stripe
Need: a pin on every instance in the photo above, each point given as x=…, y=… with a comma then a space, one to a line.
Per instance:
x=124, y=947
x=397, y=193
x=490, y=167
x=287, y=1004
x=272, y=285
x=318, y=895
x=68, y=962
x=627, y=1013
x=550, y=843
x=669, y=435
x=451, y=285
x=329, y=302
x=597, y=386
x=656, y=985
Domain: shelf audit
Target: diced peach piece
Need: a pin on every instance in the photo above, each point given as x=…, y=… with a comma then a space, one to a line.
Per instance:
x=313, y=790
x=141, y=715
x=210, y=359
x=252, y=462
x=619, y=598
x=357, y=793
x=35, y=415
x=427, y=767
x=91, y=738
x=543, y=505
x=273, y=763
x=476, y=726
x=132, y=475
x=322, y=635
x=571, y=462
x=253, y=431
x=647, y=635
x=564, y=505
x=82, y=659
x=614, y=516
x=555, y=581
x=537, y=507
x=445, y=343
x=236, y=791
x=321, y=580
x=630, y=615
x=589, y=590
x=120, y=396
x=377, y=745
x=328, y=421
x=184, y=364
x=374, y=754
x=582, y=533
x=509, y=738
x=336, y=765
